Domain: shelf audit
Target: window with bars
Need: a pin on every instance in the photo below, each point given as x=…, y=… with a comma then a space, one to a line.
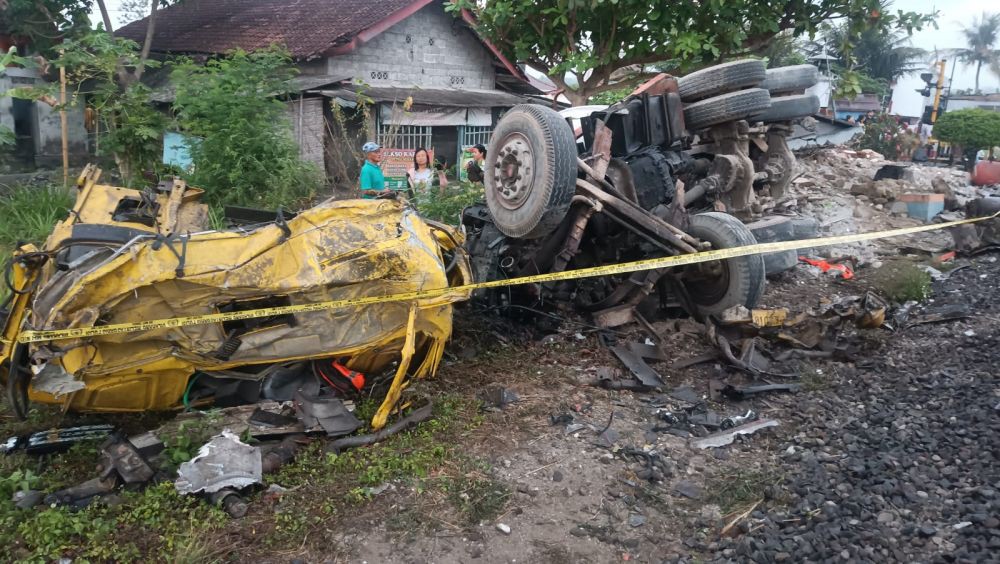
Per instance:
x=476, y=135
x=404, y=136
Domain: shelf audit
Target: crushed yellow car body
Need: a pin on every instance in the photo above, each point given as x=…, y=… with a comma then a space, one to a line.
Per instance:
x=123, y=256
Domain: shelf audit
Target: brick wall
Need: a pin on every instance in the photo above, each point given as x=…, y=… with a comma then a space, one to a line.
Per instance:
x=429, y=49
x=309, y=129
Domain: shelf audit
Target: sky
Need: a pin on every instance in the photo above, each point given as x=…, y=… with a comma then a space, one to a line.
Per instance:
x=953, y=14
x=906, y=101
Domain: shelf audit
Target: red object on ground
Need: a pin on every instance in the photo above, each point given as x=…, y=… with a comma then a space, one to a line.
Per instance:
x=986, y=173
x=343, y=379
x=845, y=271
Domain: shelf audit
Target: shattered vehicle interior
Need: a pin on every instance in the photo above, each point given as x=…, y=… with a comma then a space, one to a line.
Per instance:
x=677, y=167
x=125, y=256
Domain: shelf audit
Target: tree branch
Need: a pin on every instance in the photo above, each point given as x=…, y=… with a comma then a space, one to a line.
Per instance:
x=105, y=16
x=148, y=43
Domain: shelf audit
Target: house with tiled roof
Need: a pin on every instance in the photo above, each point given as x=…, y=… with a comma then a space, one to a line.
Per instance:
x=383, y=52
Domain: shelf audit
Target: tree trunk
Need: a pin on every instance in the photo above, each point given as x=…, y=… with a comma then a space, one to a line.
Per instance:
x=979, y=67
x=148, y=43
x=104, y=15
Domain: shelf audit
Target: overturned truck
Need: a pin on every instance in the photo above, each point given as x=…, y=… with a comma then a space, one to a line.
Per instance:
x=677, y=167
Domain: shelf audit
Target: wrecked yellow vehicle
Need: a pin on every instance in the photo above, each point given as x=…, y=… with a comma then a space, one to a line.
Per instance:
x=125, y=256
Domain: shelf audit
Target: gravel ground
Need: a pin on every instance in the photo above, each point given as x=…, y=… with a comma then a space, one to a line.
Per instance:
x=900, y=461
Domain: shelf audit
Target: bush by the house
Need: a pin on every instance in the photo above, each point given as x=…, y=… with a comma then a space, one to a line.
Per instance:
x=244, y=153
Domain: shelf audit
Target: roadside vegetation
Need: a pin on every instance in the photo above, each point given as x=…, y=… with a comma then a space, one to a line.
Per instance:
x=312, y=500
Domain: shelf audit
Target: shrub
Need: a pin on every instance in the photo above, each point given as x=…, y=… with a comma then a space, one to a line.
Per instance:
x=446, y=206
x=244, y=153
x=884, y=135
x=971, y=128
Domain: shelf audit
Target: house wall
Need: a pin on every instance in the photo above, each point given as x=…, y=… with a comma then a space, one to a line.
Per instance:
x=991, y=105
x=45, y=126
x=429, y=49
x=309, y=129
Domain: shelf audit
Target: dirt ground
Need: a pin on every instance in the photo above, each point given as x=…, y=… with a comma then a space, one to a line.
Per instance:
x=573, y=496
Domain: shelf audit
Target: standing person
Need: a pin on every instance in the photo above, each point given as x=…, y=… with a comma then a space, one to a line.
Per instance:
x=421, y=176
x=478, y=163
x=372, y=179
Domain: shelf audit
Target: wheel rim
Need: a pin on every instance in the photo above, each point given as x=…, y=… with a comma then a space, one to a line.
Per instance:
x=512, y=173
x=708, y=283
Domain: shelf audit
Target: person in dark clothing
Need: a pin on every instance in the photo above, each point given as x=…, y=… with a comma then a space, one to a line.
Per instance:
x=475, y=167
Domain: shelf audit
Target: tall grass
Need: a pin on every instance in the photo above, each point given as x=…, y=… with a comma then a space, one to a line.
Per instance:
x=27, y=215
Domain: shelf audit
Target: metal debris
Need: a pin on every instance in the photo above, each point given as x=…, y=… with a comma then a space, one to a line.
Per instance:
x=223, y=462
x=727, y=437
x=632, y=356
x=328, y=412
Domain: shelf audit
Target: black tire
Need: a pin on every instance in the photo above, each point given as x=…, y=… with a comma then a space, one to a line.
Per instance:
x=786, y=108
x=776, y=263
x=720, y=79
x=535, y=140
x=727, y=107
x=795, y=78
x=742, y=278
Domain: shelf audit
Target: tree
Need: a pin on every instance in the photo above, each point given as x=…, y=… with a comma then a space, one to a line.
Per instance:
x=588, y=40
x=971, y=128
x=243, y=152
x=44, y=23
x=881, y=53
x=982, y=37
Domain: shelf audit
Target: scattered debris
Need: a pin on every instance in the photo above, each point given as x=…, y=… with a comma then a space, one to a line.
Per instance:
x=416, y=416
x=943, y=313
x=824, y=266
x=720, y=390
x=223, y=462
x=633, y=356
x=329, y=412
x=505, y=529
x=727, y=437
x=498, y=397
x=55, y=440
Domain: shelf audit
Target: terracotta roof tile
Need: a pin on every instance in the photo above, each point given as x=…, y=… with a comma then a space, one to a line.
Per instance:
x=306, y=27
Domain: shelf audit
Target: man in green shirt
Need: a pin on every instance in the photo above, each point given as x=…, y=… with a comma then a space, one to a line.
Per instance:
x=372, y=179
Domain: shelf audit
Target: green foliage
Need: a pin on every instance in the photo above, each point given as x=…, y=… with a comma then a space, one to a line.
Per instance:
x=132, y=127
x=245, y=153
x=157, y=521
x=447, y=207
x=884, y=135
x=9, y=58
x=971, y=128
x=44, y=23
x=880, y=52
x=852, y=83
x=478, y=498
x=560, y=37
x=902, y=281
x=610, y=97
x=29, y=212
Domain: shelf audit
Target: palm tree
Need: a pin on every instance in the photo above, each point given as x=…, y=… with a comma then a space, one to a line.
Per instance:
x=884, y=55
x=982, y=37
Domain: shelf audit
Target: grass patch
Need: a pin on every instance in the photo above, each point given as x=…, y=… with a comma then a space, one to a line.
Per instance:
x=902, y=281
x=29, y=212
x=479, y=498
x=740, y=488
x=325, y=486
x=156, y=521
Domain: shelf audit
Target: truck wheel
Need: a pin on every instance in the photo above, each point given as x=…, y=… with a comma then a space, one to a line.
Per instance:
x=727, y=107
x=530, y=171
x=720, y=79
x=795, y=78
x=785, y=108
x=719, y=285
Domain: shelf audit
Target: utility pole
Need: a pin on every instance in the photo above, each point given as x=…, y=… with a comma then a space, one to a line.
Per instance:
x=937, y=91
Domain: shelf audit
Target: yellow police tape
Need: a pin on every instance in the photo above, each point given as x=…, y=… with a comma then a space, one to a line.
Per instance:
x=623, y=268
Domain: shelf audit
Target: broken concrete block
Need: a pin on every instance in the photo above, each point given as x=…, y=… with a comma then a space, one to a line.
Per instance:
x=923, y=206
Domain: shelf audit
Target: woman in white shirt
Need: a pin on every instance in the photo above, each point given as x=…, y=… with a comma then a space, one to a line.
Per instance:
x=421, y=176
